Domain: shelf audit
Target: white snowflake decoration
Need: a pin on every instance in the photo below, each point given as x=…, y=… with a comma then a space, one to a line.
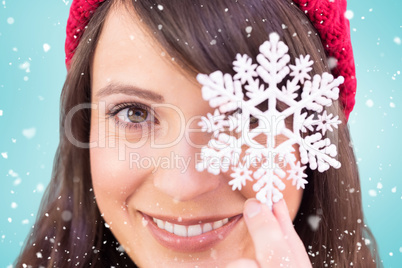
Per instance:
x=248, y=159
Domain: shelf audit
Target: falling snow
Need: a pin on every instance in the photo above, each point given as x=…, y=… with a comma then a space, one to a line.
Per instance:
x=17, y=181
x=332, y=63
x=249, y=29
x=369, y=103
x=349, y=14
x=29, y=133
x=379, y=185
x=66, y=215
x=46, y=47
x=314, y=221
x=372, y=193
x=12, y=173
x=144, y=222
x=40, y=187
x=25, y=66
x=10, y=20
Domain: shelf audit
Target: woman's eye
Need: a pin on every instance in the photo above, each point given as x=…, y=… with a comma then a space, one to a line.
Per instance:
x=132, y=115
x=136, y=114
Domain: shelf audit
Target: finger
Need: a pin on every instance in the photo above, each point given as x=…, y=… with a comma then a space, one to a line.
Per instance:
x=271, y=249
x=242, y=263
x=281, y=212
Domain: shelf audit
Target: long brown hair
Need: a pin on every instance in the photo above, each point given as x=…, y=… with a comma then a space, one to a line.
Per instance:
x=202, y=36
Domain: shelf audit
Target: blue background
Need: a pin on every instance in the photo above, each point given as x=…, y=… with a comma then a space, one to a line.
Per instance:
x=29, y=103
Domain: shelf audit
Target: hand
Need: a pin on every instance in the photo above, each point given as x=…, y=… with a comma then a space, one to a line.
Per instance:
x=275, y=240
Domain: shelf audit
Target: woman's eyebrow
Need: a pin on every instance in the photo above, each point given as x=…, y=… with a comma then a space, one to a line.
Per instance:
x=131, y=90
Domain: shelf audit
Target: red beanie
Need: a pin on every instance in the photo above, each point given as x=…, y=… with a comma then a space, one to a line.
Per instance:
x=327, y=17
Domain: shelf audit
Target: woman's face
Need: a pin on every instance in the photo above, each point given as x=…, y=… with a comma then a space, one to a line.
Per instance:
x=143, y=165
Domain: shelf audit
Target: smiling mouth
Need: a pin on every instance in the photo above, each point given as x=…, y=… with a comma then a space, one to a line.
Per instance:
x=189, y=230
x=190, y=235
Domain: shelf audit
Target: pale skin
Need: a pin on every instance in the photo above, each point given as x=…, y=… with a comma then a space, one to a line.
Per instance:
x=127, y=55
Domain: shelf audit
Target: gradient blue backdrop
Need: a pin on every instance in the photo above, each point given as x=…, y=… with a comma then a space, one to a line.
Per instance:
x=31, y=80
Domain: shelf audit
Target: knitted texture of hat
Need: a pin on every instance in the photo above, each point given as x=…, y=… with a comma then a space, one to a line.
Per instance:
x=81, y=12
x=327, y=17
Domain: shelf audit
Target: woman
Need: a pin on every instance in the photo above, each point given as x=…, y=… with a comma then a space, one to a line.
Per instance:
x=130, y=85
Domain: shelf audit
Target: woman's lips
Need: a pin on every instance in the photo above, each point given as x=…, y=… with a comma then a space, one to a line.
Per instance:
x=190, y=237
x=189, y=230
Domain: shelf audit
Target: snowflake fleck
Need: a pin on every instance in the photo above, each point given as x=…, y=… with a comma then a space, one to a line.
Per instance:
x=46, y=47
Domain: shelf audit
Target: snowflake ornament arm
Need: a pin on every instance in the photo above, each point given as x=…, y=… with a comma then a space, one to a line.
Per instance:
x=252, y=85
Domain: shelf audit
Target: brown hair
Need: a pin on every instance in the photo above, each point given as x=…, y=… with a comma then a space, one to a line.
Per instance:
x=202, y=36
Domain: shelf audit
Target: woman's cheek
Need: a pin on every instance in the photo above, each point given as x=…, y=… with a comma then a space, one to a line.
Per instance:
x=115, y=174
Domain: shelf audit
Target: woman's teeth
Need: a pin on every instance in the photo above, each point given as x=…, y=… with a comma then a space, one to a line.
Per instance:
x=189, y=230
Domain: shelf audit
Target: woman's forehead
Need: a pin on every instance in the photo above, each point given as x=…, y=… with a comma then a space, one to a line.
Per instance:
x=127, y=54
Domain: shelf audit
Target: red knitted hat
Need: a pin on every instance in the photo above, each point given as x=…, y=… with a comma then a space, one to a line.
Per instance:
x=327, y=17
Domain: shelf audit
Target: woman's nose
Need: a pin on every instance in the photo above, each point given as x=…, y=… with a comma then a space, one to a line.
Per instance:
x=180, y=179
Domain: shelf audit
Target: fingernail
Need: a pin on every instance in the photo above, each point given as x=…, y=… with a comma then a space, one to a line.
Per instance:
x=252, y=209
